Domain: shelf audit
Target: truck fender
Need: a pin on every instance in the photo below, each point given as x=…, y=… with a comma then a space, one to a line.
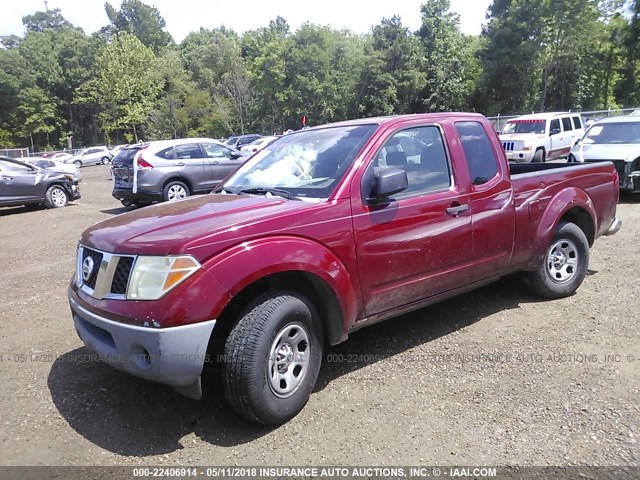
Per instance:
x=241, y=265
x=564, y=201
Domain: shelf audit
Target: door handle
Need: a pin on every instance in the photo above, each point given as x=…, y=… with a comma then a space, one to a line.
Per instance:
x=179, y=164
x=214, y=162
x=456, y=210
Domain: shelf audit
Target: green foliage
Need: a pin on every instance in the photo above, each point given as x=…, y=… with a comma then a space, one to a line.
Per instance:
x=125, y=86
x=141, y=20
x=130, y=80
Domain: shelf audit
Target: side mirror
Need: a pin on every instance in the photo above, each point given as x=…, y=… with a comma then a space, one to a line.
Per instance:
x=554, y=131
x=388, y=182
x=235, y=154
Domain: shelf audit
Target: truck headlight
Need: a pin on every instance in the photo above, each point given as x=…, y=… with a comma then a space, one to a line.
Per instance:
x=152, y=277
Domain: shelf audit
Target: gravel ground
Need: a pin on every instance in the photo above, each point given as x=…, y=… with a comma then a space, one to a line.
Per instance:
x=495, y=377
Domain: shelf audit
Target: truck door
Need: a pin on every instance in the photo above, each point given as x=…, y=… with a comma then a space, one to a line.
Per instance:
x=220, y=162
x=190, y=163
x=491, y=202
x=556, y=139
x=420, y=244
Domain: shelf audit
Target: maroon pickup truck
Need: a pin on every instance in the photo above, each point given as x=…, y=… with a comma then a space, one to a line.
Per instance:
x=327, y=230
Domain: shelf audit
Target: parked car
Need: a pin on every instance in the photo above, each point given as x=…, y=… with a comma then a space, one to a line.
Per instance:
x=25, y=184
x=293, y=252
x=541, y=136
x=55, y=165
x=240, y=141
x=257, y=145
x=91, y=156
x=170, y=170
x=617, y=140
x=61, y=156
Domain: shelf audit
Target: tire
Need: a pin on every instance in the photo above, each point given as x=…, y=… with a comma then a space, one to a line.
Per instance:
x=126, y=202
x=175, y=191
x=539, y=156
x=565, y=264
x=571, y=158
x=56, y=197
x=77, y=163
x=105, y=160
x=260, y=380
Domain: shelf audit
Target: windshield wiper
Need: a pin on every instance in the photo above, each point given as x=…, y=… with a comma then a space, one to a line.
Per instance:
x=273, y=191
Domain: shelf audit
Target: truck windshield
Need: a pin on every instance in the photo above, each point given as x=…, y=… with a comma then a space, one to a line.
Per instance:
x=610, y=133
x=305, y=164
x=524, y=126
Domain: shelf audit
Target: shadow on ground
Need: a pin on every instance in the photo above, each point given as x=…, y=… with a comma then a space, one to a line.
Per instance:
x=629, y=198
x=133, y=417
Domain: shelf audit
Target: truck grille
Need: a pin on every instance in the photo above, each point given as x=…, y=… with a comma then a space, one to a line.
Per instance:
x=90, y=274
x=105, y=275
x=508, y=146
x=121, y=276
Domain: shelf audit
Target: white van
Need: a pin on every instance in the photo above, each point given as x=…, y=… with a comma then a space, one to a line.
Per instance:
x=541, y=136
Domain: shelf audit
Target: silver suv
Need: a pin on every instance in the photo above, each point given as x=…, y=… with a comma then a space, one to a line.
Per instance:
x=170, y=170
x=91, y=156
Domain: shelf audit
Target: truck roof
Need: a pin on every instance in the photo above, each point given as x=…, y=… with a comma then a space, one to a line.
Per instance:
x=393, y=119
x=543, y=116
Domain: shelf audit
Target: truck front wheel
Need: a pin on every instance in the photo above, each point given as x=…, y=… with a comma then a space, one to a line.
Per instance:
x=539, y=156
x=565, y=263
x=272, y=359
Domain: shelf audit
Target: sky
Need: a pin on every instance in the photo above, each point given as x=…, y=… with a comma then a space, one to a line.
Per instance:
x=184, y=16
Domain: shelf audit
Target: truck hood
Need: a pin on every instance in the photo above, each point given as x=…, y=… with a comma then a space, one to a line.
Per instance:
x=592, y=151
x=174, y=227
x=522, y=137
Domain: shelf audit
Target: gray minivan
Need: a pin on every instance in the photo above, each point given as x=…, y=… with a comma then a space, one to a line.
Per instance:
x=169, y=170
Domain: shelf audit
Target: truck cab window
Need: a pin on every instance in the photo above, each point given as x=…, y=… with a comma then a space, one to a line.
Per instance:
x=420, y=152
x=481, y=160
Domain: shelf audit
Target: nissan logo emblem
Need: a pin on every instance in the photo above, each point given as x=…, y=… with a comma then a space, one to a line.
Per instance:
x=87, y=268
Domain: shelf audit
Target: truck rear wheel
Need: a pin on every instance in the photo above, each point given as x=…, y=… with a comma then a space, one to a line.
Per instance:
x=565, y=263
x=272, y=359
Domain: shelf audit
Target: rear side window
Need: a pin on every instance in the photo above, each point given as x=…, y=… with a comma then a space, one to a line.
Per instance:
x=190, y=150
x=483, y=165
x=577, y=124
x=125, y=156
x=167, y=153
x=566, y=124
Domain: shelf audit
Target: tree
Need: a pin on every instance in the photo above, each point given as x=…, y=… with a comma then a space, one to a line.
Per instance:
x=141, y=20
x=41, y=21
x=125, y=86
x=214, y=59
x=392, y=72
x=449, y=58
x=509, y=57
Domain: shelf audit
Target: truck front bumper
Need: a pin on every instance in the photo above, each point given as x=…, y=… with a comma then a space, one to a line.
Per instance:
x=519, y=156
x=174, y=356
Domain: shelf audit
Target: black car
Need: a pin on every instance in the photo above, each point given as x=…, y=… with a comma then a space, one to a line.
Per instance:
x=24, y=184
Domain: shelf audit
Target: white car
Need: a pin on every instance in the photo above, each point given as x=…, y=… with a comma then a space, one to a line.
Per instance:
x=541, y=136
x=54, y=165
x=61, y=157
x=617, y=140
x=256, y=146
x=91, y=156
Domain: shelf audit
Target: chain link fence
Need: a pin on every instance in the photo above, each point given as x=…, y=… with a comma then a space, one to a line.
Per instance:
x=15, y=152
